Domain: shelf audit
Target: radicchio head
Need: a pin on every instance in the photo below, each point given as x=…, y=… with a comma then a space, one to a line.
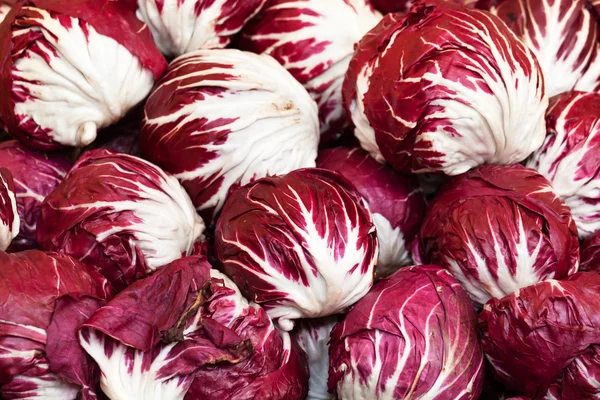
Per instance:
x=466, y=91
x=314, y=40
x=303, y=245
x=9, y=217
x=121, y=215
x=222, y=118
x=44, y=299
x=570, y=156
x=35, y=175
x=69, y=68
x=396, y=202
x=192, y=336
x=563, y=34
x=414, y=336
x=500, y=228
x=183, y=26
x=543, y=341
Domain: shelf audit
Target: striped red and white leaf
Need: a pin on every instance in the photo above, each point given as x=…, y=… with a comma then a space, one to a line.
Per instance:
x=302, y=245
x=39, y=354
x=223, y=118
x=314, y=40
x=121, y=215
x=183, y=26
x=563, y=34
x=10, y=223
x=445, y=88
x=414, y=336
x=498, y=229
x=570, y=156
x=70, y=68
x=396, y=202
x=547, y=336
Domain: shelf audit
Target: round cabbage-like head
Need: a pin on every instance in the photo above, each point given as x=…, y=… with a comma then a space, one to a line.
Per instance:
x=302, y=245
x=312, y=335
x=570, y=156
x=314, y=40
x=563, y=34
x=35, y=176
x=547, y=336
x=183, y=26
x=466, y=91
x=396, y=202
x=413, y=336
x=121, y=215
x=214, y=344
x=70, y=68
x=44, y=298
x=500, y=228
x=223, y=118
x=9, y=216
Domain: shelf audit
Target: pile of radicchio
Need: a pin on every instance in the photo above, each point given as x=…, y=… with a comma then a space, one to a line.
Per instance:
x=402, y=199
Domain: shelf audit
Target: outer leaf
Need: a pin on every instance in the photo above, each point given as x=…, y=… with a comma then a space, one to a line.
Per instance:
x=570, y=155
x=223, y=118
x=444, y=89
x=314, y=40
x=498, y=229
x=395, y=201
x=65, y=356
x=548, y=332
x=44, y=297
x=302, y=245
x=277, y=368
x=414, y=336
x=70, y=68
x=121, y=215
